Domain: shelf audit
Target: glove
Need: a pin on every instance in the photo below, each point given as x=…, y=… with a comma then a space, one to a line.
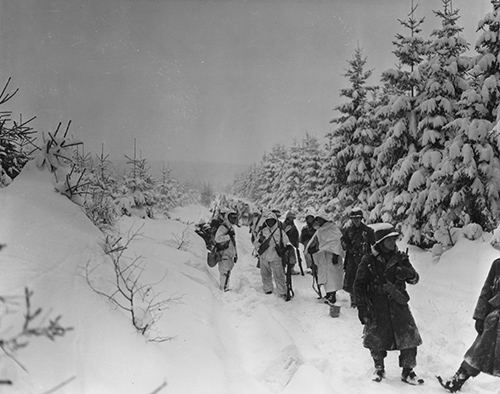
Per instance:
x=479, y=326
x=496, y=285
x=335, y=259
x=363, y=316
x=404, y=273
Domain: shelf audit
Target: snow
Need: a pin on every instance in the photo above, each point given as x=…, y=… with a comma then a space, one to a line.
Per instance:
x=242, y=341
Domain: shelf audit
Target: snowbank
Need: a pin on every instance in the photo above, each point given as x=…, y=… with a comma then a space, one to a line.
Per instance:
x=49, y=241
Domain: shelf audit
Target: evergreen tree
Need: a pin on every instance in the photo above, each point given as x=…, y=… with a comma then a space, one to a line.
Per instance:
x=445, y=76
x=471, y=168
x=354, y=136
x=311, y=179
x=138, y=187
x=397, y=155
x=272, y=172
x=288, y=194
x=16, y=140
x=207, y=194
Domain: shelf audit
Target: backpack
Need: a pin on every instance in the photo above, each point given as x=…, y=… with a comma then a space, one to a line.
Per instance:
x=213, y=257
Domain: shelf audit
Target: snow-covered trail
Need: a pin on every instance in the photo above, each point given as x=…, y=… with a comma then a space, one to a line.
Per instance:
x=245, y=341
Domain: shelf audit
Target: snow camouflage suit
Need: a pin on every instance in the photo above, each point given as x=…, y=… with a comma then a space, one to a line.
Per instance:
x=306, y=234
x=356, y=241
x=271, y=265
x=484, y=354
x=326, y=240
x=229, y=254
x=391, y=325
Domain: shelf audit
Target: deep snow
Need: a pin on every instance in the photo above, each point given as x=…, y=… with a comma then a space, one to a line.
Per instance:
x=237, y=342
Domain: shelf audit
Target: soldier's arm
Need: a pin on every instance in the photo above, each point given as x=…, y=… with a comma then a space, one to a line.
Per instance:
x=406, y=272
x=221, y=235
x=482, y=306
x=361, y=282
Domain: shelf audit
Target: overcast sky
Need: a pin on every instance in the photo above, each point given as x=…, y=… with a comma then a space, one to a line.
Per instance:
x=196, y=80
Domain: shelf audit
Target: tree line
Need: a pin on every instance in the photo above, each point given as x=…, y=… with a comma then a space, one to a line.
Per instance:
x=421, y=148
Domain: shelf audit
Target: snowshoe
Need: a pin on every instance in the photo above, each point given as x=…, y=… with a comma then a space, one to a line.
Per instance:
x=411, y=377
x=378, y=375
x=452, y=385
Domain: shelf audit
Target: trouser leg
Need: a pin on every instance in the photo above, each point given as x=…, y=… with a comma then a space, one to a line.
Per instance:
x=378, y=357
x=408, y=358
x=279, y=277
x=469, y=369
x=266, y=275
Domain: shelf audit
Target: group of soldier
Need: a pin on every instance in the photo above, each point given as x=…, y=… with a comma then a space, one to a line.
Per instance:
x=365, y=262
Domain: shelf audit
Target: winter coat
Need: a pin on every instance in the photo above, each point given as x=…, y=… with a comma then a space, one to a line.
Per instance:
x=276, y=236
x=292, y=233
x=223, y=238
x=390, y=323
x=484, y=354
x=327, y=255
x=356, y=241
x=306, y=234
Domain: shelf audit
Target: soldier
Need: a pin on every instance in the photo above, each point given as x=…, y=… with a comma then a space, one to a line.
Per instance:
x=293, y=236
x=271, y=245
x=357, y=239
x=382, y=300
x=226, y=245
x=483, y=355
x=326, y=250
x=305, y=236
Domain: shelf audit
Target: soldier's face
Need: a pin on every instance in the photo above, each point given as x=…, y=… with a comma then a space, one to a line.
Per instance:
x=356, y=221
x=390, y=243
x=270, y=222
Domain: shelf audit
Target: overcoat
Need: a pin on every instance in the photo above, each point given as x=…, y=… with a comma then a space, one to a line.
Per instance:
x=484, y=354
x=391, y=325
x=356, y=242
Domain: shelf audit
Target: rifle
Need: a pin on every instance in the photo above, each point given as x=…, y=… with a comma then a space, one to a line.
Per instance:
x=314, y=269
x=289, y=290
x=389, y=288
x=299, y=260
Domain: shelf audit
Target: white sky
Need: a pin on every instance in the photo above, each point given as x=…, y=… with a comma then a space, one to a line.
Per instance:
x=214, y=80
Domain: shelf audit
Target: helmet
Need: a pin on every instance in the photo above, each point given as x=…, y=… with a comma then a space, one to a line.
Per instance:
x=383, y=231
x=322, y=214
x=356, y=213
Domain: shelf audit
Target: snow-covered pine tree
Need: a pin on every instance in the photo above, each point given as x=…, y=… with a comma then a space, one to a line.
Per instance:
x=252, y=184
x=138, y=187
x=471, y=169
x=445, y=81
x=272, y=171
x=354, y=137
x=207, y=194
x=16, y=140
x=99, y=201
x=57, y=155
x=326, y=194
x=287, y=192
x=167, y=190
x=311, y=159
x=397, y=155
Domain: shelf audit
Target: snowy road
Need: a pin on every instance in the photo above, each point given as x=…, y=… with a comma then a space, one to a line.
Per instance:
x=264, y=345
